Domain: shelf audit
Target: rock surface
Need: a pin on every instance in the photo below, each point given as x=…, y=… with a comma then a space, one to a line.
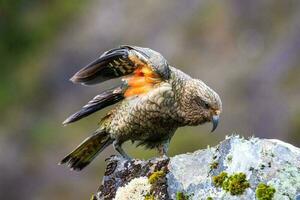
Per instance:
x=272, y=164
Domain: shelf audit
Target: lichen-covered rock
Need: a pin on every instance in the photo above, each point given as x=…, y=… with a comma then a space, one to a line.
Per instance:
x=237, y=168
x=136, y=189
x=122, y=175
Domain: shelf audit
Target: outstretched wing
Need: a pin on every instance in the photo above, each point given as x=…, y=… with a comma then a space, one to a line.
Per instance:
x=144, y=68
x=106, y=98
x=120, y=62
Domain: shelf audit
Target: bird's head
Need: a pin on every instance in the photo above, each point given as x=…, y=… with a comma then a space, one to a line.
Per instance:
x=200, y=104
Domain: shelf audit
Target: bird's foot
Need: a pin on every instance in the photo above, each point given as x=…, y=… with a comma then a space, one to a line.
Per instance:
x=119, y=149
x=163, y=149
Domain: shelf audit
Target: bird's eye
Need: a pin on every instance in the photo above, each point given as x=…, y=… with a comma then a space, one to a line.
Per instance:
x=206, y=105
x=203, y=103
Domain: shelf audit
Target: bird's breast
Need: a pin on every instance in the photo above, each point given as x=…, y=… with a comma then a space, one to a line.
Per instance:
x=147, y=115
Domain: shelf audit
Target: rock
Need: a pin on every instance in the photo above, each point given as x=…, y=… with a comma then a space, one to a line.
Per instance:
x=237, y=168
x=121, y=175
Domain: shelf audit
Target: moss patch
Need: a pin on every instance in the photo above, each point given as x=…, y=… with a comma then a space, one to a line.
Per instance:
x=182, y=196
x=264, y=192
x=155, y=176
x=229, y=158
x=209, y=198
x=93, y=197
x=214, y=165
x=236, y=184
x=149, y=197
x=157, y=180
x=219, y=179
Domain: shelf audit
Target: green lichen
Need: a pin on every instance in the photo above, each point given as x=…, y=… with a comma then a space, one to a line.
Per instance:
x=264, y=192
x=229, y=158
x=214, y=165
x=209, y=198
x=219, y=179
x=272, y=155
x=93, y=197
x=235, y=184
x=154, y=179
x=155, y=176
x=182, y=196
x=262, y=166
x=149, y=197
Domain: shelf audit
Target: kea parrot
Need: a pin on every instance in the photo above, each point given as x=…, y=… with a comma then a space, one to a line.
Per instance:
x=154, y=99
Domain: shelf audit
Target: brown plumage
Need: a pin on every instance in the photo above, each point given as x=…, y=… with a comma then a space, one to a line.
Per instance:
x=154, y=100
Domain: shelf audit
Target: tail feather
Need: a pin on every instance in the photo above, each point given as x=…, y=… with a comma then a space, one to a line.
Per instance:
x=107, y=98
x=87, y=150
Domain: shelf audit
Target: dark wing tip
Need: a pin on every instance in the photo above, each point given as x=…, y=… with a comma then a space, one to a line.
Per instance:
x=85, y=74
x=66, y=122
x=107, y=66
x=76, y=116
x=64, y=160
x=74, y=79
x=106, y=98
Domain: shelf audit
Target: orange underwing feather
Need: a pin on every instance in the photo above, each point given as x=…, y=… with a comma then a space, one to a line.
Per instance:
x=137, y=90
x=142, y=81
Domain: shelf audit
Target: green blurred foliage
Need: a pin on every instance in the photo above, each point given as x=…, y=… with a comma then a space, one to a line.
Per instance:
x=27, y=27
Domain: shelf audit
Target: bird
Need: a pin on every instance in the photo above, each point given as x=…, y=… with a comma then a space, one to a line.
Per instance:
x=153, y=100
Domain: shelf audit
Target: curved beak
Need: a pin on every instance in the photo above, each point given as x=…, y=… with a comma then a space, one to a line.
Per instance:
x=215, y=122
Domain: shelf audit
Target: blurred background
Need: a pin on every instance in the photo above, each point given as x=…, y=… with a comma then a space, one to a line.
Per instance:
x=248, y=51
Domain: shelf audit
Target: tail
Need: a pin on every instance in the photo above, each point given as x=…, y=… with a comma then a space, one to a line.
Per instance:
x=87, y=150
x=107, y=98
